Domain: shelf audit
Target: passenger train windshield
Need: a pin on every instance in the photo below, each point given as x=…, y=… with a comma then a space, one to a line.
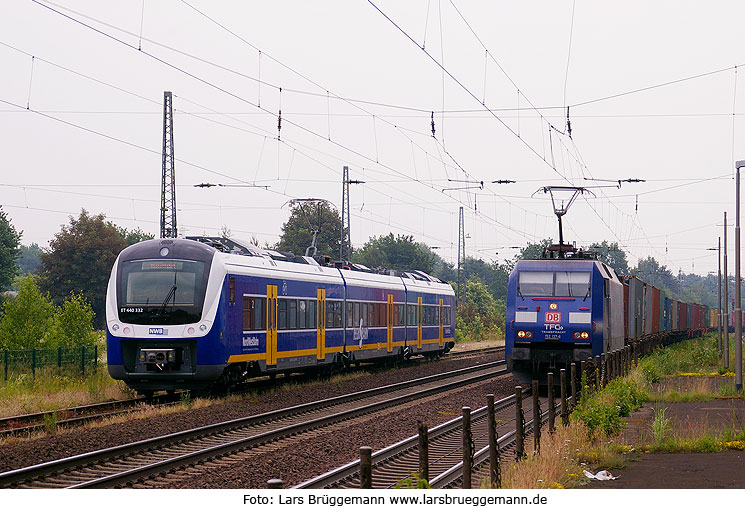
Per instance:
x=161, y=291
x=553, y=284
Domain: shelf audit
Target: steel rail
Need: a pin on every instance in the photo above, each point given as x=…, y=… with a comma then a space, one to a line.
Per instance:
x=15, y=477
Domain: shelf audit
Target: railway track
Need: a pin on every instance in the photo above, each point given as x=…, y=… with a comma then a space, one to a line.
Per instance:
x=136, y=462
x=399, y=461
x=79, y=415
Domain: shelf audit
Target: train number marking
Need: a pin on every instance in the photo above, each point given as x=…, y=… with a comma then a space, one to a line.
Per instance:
x=553, y=318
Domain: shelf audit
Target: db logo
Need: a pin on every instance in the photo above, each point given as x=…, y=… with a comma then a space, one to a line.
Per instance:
x=553, y=318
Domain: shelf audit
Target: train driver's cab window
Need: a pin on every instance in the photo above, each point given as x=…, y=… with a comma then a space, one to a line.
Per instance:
x=572, y=284
x=535, y=284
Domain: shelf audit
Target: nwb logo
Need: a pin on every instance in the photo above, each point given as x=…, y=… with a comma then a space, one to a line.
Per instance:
x=158, y=331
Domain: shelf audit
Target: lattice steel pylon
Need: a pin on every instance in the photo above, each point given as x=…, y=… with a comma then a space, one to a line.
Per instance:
x=461, y=255
x=168, y=182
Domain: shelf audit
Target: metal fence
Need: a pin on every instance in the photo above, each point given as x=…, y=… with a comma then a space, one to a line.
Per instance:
x=76, y=359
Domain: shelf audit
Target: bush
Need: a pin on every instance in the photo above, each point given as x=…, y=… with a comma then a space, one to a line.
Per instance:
x=73, y=324
x=603, y=411
x=27, y=318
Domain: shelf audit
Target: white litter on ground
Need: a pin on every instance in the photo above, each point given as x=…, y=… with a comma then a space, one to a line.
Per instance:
x=600, y=475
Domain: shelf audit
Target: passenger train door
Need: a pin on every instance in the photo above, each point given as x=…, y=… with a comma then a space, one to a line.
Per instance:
x=389, y=313
x=419, y=323
x=321, y=324
x=271, y=325
x=439, y=323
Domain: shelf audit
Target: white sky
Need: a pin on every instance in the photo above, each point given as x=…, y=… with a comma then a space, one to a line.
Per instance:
x=92, y=136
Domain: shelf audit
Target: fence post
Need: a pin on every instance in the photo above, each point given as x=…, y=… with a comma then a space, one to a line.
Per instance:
x=33, y=363
x=494, y=471
x=563, y=392
x=423, y=450
x=95, y=357
x=551, y=404
x=583, y=369
x=467, y=448
x=604, y=373
x=275, y=483
x=82, y=359
x=519, y=424
x=597, y=372
x=573, y=375
x=59, y=360
x=365, y=467
x=536, y=419
x=6, y=364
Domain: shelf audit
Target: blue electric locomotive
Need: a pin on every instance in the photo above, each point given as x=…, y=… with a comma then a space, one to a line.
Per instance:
x=560, y=311
x=208, y=312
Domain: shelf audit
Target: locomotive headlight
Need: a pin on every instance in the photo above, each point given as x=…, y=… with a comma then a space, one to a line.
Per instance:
x=584, y=335
x=115, y=327
x=203, y=327
x=126, y=330
x=521, y=334
x=528, y=334
x=191, y=330
x=576, y=335
x=164, y=251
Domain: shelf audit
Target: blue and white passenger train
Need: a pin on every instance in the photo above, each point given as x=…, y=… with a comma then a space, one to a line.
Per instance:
x=198, y=313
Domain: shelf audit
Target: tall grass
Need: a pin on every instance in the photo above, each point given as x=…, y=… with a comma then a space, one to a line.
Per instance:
x=49, y=390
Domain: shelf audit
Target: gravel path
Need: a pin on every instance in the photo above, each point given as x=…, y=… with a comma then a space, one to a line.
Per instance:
x=13, y=456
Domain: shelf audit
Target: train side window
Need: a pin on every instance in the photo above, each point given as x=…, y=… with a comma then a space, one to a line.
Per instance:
x=365, y=314
x=302, y=314
x=401, y=314
x=248, y=312
x=355, y=315
x=330, y=314
x=350, y=314
x=312, y=314
x=254, y=314
x=375, y=317
x=292, y=314
x=337, y=315
x=260, y=314
x=282, y=320
x=383, y=312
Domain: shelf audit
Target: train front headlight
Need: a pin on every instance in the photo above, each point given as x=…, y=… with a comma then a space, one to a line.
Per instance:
x=584, y=335
x=521, y=334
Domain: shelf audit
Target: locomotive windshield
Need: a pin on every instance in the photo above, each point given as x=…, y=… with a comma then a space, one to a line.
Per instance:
x=161, y=292
x=553, y=284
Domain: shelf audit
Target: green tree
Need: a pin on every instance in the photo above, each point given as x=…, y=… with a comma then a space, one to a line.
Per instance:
x=400, y=252
x=131, y=236
x=532, y=251
x=479, y=315
x=305, y=219
x=72, y=325
x=612, y=255
x=26, y=318
x=79, y=260
x=10, y=240
x=29, y=259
